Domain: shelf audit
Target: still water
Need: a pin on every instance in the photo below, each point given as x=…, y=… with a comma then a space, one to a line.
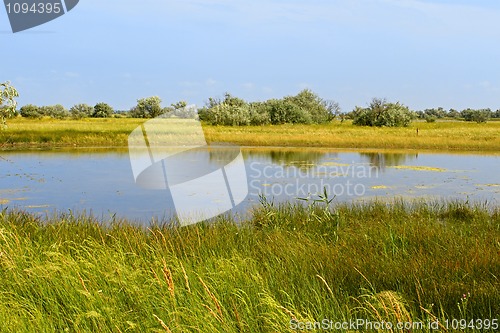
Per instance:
x=102, y=182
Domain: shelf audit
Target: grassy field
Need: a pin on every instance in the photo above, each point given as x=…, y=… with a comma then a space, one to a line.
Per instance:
x=431, y=136
x=391, y=262
x=23, y=133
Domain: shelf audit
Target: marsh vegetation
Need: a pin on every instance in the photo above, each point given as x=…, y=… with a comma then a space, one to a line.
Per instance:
x=114, y=132
x=396, y=261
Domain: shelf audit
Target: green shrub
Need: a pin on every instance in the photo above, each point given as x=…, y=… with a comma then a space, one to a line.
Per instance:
x=229, y=115
x=282, y=111
x=304, y=108
x=30, y=111
x=380, y=113
x=102, y=110
x=149, y=107
x=479, y=116
x=79, y=111
x=53, y=111
x=313, y=105
x=231, y=111
x=181, y=110
x=8, y=102
x=259, y=114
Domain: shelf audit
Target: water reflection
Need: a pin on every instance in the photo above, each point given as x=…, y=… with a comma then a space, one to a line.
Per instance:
x=102, y=181
x=299, y=158
x=383, y=160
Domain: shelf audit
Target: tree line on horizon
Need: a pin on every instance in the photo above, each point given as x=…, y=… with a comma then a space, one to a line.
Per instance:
x=304, y=108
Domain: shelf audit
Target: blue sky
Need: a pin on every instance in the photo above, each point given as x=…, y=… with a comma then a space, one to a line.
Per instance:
x=423, y=53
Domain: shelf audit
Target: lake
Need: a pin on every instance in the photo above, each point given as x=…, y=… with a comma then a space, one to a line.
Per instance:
x=103, y=182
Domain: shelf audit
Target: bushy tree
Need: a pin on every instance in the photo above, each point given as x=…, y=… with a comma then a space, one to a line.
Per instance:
x=382, y=113
x=230, y=111
x=54, y=111
x=452, y=113
x=304, y=108
x=149, y=107
x=479, y=116
x=182, y=110
x=282, y=111
x=8, y=102
x=229, y=115
x=319, y=111
x=259, y=114
x=436, y=113
x=30, y=111
x=102, y=110
x=79, y=111
x=430, y=119
x=333, y=109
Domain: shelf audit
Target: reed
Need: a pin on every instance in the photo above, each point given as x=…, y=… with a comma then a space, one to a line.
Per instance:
x=113, y=132
x=287, y=264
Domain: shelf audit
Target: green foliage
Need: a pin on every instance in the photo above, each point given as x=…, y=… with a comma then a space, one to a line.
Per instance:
x=8, y=102
x=79, y=111
x=149, y=107
x=259, y=114
x=282, y=111
x=453, y=114
x=381, y=261
x=380, y=113
x=181, y=110
x=102, y=110
x=445, y=135
x=430, y=119
x=231, y=111
x=229, y=115
x=304, y=108
x=437, y=113
x=30, y=111
x=319, y=110
x=53, y=111
x=479, y=116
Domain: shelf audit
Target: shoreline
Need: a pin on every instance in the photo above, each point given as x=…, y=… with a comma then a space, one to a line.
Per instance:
x=104, y=149
x=442, y=137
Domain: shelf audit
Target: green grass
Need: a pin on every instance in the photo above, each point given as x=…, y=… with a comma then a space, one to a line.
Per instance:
x=91, y=132
x=446, y=135
x=377, y=261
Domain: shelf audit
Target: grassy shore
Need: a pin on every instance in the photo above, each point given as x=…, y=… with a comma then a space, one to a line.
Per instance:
x=460, y=136
x=396, y=262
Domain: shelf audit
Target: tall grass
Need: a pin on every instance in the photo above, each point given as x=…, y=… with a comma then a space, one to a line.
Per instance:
x=89, y=132
x=113, y=132
x=287, y=263
x=449, y=135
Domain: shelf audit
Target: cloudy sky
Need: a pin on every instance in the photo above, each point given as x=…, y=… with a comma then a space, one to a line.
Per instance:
x=424, y=53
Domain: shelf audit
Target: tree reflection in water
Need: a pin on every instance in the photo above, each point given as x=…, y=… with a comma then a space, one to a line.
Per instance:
x=383, y=160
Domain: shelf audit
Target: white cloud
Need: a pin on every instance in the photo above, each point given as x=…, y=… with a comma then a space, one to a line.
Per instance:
x=438, y=18
x=424, y=17
x=210, y=82
x=72, y=74
x=189, y=84
x=248, y=85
